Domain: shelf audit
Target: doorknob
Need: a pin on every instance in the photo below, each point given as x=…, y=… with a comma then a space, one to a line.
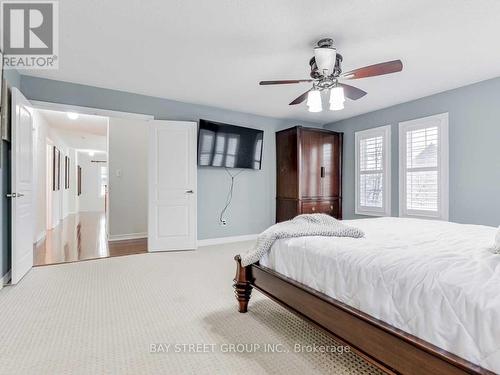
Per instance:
x=189, y=192
x=14, y=195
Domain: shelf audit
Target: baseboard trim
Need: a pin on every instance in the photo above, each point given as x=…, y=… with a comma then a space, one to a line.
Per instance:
x=222, y=240
x=5, y=279
x=40, y=236
x=206, y=242
x=128, y=236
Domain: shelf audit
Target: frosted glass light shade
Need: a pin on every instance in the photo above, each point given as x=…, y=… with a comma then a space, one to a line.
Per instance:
x=337, y=98
x=314, y=101
x=325, y=59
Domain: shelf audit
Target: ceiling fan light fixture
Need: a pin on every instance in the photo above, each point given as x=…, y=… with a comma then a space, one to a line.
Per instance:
x=325, y=59
x=337, y=98
x=314, y=101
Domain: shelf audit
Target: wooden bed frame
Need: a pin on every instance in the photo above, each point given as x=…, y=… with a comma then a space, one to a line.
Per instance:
x=388, y=348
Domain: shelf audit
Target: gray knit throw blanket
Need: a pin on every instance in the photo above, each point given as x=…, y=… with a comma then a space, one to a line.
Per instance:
x=302, y=225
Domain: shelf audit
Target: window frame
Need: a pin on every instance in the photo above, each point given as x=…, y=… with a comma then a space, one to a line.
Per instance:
x=385, y=132
x=442, y=166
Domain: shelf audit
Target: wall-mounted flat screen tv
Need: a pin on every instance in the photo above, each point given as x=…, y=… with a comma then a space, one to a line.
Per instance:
x=229, y=146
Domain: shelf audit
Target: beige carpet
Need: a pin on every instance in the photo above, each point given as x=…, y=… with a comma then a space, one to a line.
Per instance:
x=102, y=317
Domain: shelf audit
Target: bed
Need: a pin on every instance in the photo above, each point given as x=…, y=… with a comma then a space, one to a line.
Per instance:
x=413, y=296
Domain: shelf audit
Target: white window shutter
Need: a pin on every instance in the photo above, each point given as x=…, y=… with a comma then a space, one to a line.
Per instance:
x=373, y=171
x=423, y=160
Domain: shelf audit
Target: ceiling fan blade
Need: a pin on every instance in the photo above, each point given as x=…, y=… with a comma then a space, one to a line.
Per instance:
x=352, y=92
x=284, y=82
x=301, y=98
x=375, y=70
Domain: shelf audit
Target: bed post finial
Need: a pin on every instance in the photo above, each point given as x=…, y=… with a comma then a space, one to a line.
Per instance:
x=242, y=287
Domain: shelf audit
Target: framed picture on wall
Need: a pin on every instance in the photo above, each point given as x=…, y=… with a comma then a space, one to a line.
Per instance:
x=79, y=180
x=54, y=168
x=66, y=172
x=58, y=170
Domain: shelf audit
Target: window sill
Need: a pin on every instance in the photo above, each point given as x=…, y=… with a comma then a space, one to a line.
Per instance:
x=371, y=213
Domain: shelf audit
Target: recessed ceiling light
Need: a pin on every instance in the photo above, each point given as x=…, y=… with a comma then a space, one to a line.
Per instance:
x=72, y=115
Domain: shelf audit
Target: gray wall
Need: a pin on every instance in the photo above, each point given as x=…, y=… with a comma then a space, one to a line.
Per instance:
x=253, y=204
x=14, y=80
x=474, y=138
x=128, y=150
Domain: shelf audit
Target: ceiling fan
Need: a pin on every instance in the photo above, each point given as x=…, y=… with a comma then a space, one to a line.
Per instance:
x=325, y=74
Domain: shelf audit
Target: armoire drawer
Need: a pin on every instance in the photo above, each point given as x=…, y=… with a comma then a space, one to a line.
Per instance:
x=321, y=207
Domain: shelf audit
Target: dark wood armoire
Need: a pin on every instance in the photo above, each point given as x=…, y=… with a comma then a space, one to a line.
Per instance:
x=309, y=172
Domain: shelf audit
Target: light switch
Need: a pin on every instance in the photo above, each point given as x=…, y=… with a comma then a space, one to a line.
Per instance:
x=118, y=173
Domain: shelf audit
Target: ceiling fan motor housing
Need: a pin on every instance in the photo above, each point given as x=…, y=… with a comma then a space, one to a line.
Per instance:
x=325, y=43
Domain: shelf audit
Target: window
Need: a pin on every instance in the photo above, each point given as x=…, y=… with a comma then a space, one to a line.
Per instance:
x=423, y=167
x=373, y=171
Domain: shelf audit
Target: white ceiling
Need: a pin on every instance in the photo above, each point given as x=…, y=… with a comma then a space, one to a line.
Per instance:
x=88, y=132
x=90, y=124
x=215, y=52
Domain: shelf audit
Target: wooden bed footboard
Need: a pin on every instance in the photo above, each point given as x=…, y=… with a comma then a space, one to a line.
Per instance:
x=383, y=345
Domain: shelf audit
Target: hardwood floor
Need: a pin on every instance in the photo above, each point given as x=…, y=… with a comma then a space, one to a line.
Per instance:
x=82, y=237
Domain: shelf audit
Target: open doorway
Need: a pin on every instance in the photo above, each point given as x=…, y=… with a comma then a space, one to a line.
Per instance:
x=71, y=164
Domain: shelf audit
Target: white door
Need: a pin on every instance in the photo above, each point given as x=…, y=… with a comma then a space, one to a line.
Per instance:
x=172, y=186
x=22, y=186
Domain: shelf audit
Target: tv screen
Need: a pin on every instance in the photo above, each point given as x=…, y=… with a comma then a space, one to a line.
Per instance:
x=224, y=145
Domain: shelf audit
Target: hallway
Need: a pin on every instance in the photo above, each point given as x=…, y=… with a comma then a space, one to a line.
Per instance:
x=79, y=237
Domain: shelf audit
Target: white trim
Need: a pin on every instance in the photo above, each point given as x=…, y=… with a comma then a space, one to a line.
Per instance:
x=442, y=168
x=385, y=132
x=89, y=110
x=5, y=279
x=40, y=236
x=127, y=236
x=223, y=240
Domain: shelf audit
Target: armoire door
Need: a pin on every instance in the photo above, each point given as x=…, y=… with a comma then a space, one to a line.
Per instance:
x=330, y=165
x=311, y=155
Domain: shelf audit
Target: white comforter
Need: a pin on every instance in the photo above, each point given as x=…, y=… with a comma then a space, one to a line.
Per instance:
x=439, y=281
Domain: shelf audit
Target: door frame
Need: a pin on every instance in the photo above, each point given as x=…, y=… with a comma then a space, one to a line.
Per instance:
x=37, y=104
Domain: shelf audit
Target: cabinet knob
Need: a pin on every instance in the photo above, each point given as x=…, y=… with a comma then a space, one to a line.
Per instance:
x=314, y=208
x=331, y=207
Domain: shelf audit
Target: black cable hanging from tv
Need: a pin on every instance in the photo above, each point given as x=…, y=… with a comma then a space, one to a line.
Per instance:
x=229, y=198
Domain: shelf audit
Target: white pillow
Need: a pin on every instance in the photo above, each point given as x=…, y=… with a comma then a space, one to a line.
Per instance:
x=496, y=246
